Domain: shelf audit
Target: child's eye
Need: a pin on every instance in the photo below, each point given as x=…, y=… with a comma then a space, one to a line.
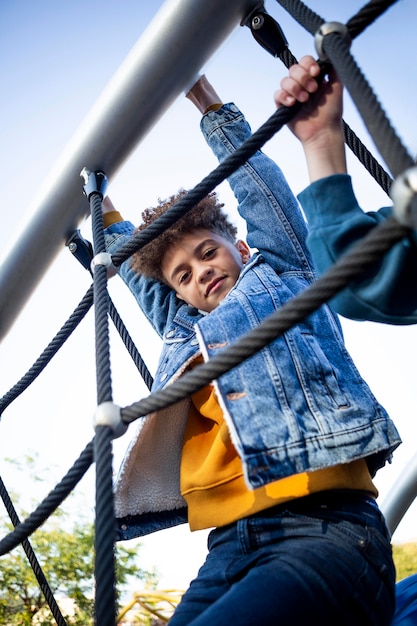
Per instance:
x=209, y=253
x=183, y=277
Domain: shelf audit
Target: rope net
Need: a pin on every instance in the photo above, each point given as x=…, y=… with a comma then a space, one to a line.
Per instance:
x=352, y=265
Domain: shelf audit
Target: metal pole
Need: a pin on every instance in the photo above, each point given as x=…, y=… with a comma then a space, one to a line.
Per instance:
x=156, y=71
x=401, y=496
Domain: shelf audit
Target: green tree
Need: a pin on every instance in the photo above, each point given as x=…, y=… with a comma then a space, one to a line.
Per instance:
x=67, y=560
x=64, y=547
x=405, y=559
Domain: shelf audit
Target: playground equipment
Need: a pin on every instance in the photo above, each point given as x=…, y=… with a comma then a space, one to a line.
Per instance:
x=117, y=110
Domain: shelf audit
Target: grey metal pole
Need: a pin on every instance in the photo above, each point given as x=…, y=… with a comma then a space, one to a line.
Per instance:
x=132, y=102
x=401, y=496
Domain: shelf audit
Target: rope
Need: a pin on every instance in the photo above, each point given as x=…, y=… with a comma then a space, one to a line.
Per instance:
x=105, y=567
x=388, y=143
x=367, y=15
x=367, y=159
x=130, y=346
x=53, y=500
x=310, y=20
x=82, y=250
x=101, y=306
x=36, y=567
x=49, y=352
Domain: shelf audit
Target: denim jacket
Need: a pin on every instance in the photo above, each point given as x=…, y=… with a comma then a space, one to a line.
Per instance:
x=298, y=405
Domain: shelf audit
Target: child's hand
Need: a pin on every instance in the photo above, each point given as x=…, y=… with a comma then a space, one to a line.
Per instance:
x=299, y=84
x=323, y=106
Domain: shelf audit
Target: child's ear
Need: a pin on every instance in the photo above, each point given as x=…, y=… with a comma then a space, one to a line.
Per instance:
x=243, y=250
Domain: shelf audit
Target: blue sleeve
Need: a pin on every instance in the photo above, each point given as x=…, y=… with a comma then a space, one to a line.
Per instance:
x=157, y=301
x=274, y=221
x=386, y=292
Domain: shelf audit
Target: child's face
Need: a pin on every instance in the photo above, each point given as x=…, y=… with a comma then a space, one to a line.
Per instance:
x=203, y=268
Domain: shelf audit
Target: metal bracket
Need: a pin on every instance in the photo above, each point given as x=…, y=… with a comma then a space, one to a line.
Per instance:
x=326, y=29
x=108, y=414
x=94, y=182
x=403, y=194
x=104, y=258
x=268, y=33
x=81, y=248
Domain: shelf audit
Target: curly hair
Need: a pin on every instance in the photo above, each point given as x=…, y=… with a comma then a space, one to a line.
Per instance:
x=207, y=215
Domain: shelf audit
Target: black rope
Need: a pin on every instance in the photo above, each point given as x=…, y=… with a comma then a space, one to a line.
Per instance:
x=101, y=306
x=287, y=58
x=367, y=159
x=305, y=16
x=367, y=15
x=130, y=346
x=105, y=566
x=50, y=351
x=50, y=503
x=311, y=21
x=31, y=556
x=363, y=254
x=387, y=141
x=82, y=250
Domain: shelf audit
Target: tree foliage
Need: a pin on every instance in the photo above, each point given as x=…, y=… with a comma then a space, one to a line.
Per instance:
x=67, y=560
x=405, y=559
x=64, y=547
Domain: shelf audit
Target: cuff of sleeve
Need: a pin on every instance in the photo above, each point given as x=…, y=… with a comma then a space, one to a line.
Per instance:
x=226, y=114
x=213, y=107
x=331, y=198
x=111, y=218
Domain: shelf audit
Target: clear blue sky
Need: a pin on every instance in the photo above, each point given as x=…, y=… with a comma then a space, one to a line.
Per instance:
x=55, y=60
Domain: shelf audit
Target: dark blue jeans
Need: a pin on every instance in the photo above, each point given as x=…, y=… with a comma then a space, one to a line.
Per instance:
x=322, y=560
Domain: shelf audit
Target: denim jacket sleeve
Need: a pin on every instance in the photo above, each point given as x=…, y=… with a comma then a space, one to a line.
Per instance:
x=157, y=301
x=385, y=293
x=274, y=221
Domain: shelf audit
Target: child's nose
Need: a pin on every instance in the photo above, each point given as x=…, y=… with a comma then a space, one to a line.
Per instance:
x=204, y=273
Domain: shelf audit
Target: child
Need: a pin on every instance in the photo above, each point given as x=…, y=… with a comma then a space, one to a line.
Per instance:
x=278, y=454
x=334, y=216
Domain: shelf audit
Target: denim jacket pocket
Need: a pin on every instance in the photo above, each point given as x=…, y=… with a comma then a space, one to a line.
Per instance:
x=180, y=346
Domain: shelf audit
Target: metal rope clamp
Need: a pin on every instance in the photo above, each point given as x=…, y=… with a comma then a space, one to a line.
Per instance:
x=403, y=194
x=104, y=258
x=267, y=32
x=326, y=29
x=108, y=414
x=94, y=182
